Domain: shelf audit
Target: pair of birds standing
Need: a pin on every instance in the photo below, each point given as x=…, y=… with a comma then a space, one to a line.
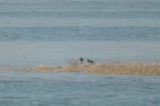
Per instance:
x=81, y=61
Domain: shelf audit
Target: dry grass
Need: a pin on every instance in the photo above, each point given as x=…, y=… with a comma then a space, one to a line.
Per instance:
x=126, y=69
x=107, y=68
x=117, y=69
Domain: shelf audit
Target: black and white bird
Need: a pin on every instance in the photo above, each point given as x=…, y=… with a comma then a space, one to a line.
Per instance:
x=90, y=61
x=80, y=61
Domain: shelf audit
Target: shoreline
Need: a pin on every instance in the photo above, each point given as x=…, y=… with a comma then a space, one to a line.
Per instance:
x=105, y=68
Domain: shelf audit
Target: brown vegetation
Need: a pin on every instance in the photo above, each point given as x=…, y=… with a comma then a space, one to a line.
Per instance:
x=118, y=69
x=107, y=68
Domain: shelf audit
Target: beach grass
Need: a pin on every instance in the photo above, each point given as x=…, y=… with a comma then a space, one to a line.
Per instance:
x=118, y=69
x=136, y=68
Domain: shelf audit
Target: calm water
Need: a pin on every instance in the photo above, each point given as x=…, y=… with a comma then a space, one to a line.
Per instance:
x=51, y=32
x=72, y=89
x=61, y=20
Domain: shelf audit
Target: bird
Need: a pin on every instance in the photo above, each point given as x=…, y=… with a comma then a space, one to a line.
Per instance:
x=80, y=60
x=90, y=61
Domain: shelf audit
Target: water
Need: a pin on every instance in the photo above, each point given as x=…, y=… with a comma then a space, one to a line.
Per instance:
x=61, y=20
x=70, y=89
x=80, y=33
x=52, y=32
x=103, y=30
x=24, y=53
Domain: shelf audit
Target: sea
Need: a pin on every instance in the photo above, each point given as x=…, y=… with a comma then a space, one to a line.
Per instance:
x=55, y=32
